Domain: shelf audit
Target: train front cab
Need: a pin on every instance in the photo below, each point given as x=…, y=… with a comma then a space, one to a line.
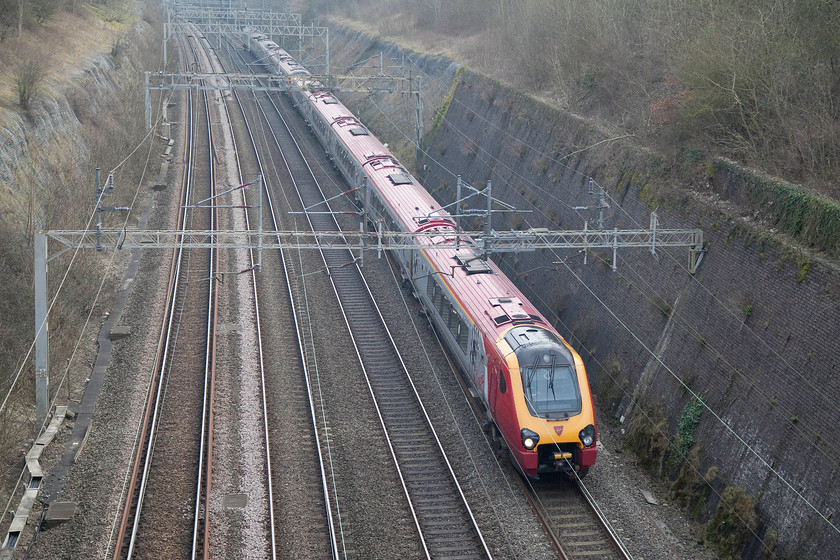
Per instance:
x=547, y=420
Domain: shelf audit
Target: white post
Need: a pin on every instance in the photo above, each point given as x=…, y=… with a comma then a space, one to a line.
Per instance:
x=259, y=223
x=42, y=349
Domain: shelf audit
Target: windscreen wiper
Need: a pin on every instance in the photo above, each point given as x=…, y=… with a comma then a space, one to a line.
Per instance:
x=532, y=374
x=551, y=375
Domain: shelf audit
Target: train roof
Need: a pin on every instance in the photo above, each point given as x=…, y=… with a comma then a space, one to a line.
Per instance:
x=486, y=294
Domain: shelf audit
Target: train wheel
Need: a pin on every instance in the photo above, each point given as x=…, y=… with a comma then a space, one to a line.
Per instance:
x=497, y=442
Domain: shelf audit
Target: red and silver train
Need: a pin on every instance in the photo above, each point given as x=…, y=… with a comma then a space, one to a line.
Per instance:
x=533, y=385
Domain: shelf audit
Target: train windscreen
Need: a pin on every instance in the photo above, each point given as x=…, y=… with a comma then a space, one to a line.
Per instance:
x=551, y=389
x=549, y=378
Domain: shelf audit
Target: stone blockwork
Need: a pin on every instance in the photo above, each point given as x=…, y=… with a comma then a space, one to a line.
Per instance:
x=754, y=333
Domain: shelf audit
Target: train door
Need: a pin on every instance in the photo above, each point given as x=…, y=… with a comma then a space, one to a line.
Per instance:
x=501, y=399
x=478, y=363
x=492, y=382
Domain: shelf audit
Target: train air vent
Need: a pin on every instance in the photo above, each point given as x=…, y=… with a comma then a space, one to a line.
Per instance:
x=358, y=131
x=512, y=308
x=400, y=178
x=501, y=319
x=330, y=101
x=471, y=263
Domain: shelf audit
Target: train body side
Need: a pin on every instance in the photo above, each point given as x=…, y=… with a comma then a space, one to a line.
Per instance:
x=487, y=324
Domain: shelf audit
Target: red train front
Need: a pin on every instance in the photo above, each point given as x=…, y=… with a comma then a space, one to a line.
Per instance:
x=541, y=401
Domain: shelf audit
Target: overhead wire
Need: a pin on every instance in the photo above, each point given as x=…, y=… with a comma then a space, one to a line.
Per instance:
x=777, y=407
x=617, y=204
x=729, y=428
x=799, y=495
x=528, y=482
x=812, y=441
x=98, y=293
x=446, y=400
x=64, y=278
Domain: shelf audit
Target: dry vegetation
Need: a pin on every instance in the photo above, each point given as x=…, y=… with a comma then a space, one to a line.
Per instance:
x=52, y=187
x=757, y=81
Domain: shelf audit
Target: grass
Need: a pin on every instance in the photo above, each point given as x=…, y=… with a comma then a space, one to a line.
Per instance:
x=73, y=41
x=54, y=181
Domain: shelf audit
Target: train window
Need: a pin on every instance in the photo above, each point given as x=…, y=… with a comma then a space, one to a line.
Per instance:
x=463, y=335
x=502, y=382
x=453, y=321
x=443, y=307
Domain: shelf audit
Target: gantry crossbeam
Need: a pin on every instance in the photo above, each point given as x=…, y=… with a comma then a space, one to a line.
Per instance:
x=496, y=242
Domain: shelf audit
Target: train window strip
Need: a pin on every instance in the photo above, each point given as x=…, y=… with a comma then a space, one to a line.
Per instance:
x=463, y=335
x=430, y=290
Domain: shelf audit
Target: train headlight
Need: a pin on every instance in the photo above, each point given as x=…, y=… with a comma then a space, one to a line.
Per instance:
x=530, y=438
x=587, y=435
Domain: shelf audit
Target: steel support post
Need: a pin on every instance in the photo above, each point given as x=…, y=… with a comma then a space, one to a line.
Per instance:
x=418, y=124
x=458, y=211
x=363, y=215
x=615, y=250
x=166, y=33
x=259, y=222
x=327, y=55
x=42, y=349
x=149, y=102
x=98, y=200
x=654, y=221
x=488, y=229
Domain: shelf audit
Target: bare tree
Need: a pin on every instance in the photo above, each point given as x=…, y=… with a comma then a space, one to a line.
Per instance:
x=28, y=78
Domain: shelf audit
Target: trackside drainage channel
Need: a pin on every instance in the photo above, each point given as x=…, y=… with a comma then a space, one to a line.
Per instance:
x=21, y=514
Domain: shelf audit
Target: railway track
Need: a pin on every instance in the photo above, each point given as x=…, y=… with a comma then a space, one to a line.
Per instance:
x=446, y=526
x=166, y=512
x=310, y=496
x=443, y=519
x=573, y=521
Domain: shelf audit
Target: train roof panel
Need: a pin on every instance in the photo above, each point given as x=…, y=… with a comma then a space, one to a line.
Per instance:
x=475, y=281
x=400, y=178
x=472, y=263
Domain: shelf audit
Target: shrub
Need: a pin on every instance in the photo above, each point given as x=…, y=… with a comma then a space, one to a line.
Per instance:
x=734, y=522
x=28, y=79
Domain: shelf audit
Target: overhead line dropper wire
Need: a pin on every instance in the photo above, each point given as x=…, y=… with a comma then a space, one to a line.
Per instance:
x=814, y=390
x=728, y=427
